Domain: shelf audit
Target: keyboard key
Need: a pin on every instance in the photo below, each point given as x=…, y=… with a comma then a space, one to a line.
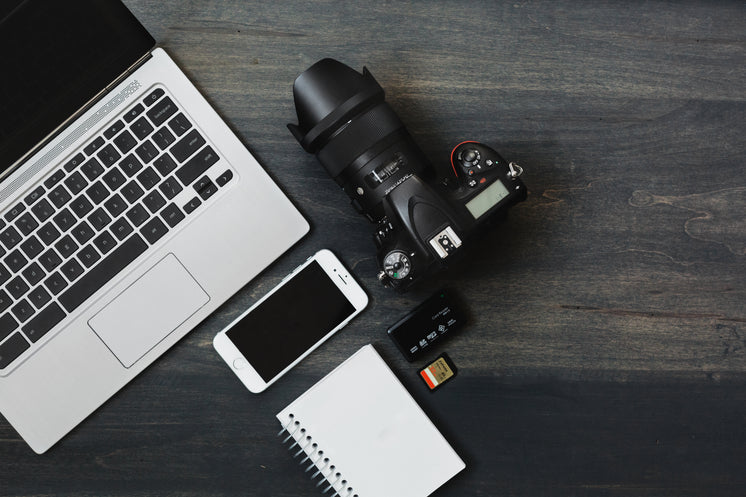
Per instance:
x=184, y=148
x=197, y=165
x=75, y=183
x=141, y=128
x=137, y=215
x=7, y=325
x=59, y=196
x=72, y=269
x=55, y=283
x=10, y=237
x=179, y=124
x=164, y=164
x=83, y=232
x=121, y=228
x=153, y=96
x=192, y=204
x=201, y=183
x=115, y=205
x=15, y=212
x=148, y=178
x=97, y=192
x=108, y=156
x=99, y=219
x=147, y=152
x=48, y=233
x=26, y=223
x=50, y=260
x=132, y=192
x=114, y=179
x=81, y=206
x=12, y=349
x=15, y=261
x=154, y=201
x=172, y=215
x=43, y=322
x=17, y=287
x=93, y=168
x=32, y=247
x=163, y=138
x=96, y=144
x=34, y=195
x=130, y=165
x=154, y=230
x=224, y=178
x=43, y=210
x=135, y=111
x=161, y=111
x=125, y=141
x=113, y=129
x=104, y=242
x=74, y=162
x=64, y=219
x=88, y=256
x=103, y=272
x=66, y=246
x=33, y=274
x=208, y=191
x=39, y=297
x=5, y=302
x=55, y=178
x=22, y=310
x=170, y=187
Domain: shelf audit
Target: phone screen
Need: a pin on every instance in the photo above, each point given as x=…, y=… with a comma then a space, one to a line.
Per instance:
x=290, y=321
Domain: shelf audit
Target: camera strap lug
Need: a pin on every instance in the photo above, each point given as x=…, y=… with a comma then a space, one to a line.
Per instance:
x=515, y=170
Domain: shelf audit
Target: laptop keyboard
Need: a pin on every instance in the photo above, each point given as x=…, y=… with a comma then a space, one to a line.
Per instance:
x=96, y=213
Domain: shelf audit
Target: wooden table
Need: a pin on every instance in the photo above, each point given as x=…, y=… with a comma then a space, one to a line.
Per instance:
x=606, y=351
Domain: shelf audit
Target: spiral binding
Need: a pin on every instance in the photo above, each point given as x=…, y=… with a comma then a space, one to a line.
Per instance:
x=315, y=455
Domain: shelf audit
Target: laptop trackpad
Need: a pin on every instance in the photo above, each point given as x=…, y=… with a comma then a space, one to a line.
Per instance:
x=149, y=310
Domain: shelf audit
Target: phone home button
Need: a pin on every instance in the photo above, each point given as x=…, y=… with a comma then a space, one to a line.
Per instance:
x=240, y=363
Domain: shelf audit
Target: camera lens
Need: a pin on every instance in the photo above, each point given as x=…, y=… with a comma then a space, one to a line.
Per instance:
x=357, y=137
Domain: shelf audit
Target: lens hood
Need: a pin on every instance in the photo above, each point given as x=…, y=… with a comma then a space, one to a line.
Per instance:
x=327, y=95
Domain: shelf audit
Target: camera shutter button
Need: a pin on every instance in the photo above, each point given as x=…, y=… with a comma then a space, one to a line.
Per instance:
x=470, y=157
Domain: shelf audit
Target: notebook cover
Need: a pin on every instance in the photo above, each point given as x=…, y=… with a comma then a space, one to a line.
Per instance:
x=372, y=431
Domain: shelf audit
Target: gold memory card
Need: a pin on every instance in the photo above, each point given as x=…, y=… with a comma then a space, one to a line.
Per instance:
x=438, y=372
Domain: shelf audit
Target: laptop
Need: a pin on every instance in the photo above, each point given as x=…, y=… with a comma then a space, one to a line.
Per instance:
x=128, y=210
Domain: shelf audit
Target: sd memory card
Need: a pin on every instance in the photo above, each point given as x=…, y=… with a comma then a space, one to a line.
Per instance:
x=429, y=323
x=438, y=372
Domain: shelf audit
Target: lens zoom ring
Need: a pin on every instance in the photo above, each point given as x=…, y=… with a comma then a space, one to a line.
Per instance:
x=358, y=136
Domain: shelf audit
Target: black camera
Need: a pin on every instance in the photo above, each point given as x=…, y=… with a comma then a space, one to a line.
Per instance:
x=421, y=221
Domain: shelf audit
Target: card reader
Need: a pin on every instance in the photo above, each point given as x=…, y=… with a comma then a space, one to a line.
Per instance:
x=429, y=323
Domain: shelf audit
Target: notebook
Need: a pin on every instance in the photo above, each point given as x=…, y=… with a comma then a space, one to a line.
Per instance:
x=360, y=433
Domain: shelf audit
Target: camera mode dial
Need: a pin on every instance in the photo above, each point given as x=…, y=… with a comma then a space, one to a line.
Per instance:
x=397, y=265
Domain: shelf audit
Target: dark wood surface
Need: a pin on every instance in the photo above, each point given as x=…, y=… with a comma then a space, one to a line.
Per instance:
x=606, y=351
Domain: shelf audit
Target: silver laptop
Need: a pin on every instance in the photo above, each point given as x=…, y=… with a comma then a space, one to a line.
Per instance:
x=128, y=210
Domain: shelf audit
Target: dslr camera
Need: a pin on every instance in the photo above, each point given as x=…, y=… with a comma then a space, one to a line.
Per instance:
x=422, y=221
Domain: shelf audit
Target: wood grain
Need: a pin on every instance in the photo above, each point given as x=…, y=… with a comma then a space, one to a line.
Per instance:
x=606, y=351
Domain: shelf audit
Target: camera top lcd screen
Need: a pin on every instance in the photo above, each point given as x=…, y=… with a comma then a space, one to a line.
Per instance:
x=487, y=199
x=290, y=321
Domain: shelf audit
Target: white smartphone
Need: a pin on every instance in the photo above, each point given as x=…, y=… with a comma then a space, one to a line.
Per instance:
x=293, y=319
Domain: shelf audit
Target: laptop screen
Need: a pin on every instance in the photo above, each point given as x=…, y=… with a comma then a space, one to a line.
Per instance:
x=57, y=55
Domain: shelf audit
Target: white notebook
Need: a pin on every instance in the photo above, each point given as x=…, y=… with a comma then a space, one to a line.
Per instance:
x=358, y=432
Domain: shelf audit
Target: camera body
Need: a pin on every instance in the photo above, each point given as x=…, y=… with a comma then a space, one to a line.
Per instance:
x=426, y=224
x=422, y=221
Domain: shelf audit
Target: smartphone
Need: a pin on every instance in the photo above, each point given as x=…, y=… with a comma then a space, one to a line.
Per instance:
x=291, y=321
